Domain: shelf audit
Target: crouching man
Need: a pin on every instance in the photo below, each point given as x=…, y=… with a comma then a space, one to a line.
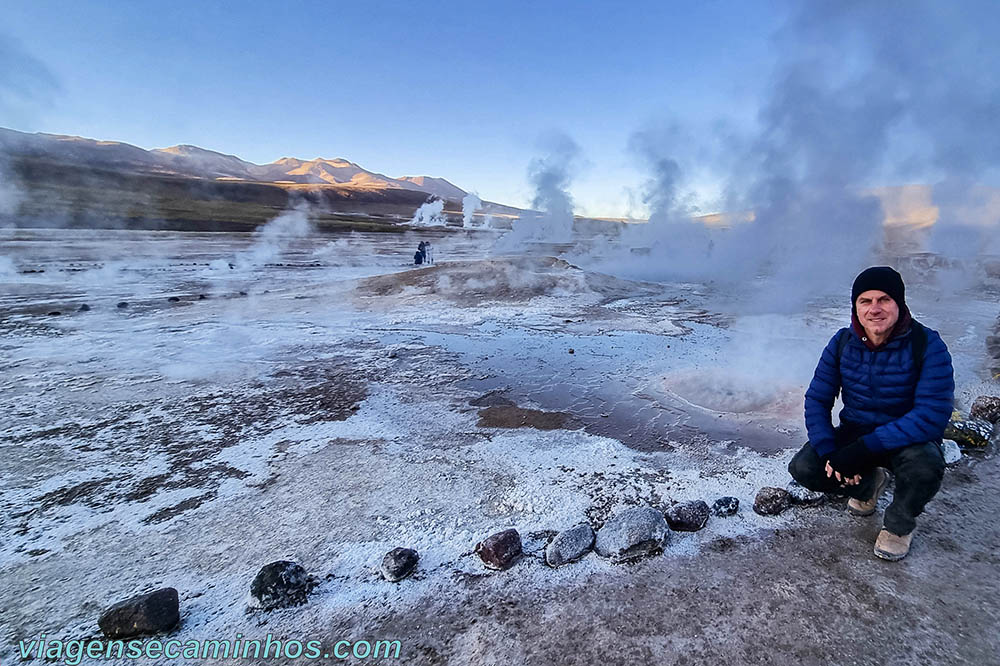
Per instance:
x=898, y=387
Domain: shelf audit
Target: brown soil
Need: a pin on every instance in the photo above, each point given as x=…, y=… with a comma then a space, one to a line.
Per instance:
x=517, y=417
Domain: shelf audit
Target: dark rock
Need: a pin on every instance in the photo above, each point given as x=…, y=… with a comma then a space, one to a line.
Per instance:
x=572, y=351
x=987, y=408
x=632, y=534
x=687, y=516
x=771, y=501
x=55, y=313
x=725, y=506
x=202, y=297
x=993, y=344
x=969, y=433
x=122, y=305
x=569, y=545
x=174, y=299
x=243, y=293
x=799, y=494
x=500, y=551
x=399, y=563
x=143, y=614
x=279, y=585
x=84, y=308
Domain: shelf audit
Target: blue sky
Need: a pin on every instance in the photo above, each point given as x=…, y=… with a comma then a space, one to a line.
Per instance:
x=457, y=90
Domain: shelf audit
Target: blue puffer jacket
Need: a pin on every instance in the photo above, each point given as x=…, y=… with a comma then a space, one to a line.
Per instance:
x=879, y=392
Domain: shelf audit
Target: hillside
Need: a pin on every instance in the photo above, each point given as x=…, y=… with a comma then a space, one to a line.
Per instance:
x=59, y=180
x=195, y=162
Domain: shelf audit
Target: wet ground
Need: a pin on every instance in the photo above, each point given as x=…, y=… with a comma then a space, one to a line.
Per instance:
x=321, y=399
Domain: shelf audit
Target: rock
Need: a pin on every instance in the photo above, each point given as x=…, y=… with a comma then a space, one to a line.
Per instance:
x=631, y=534
x=572, y=351
x=122, y=305
x=173, y=299
x=399, y=563
x=987, y=408
x=202, y=297
x=799, y=494
x=84, y=308
x=243, y=293
x=500, y=551
x=150, y=613
x=725, y=506
x=279, y=585
x=993, y=344
x=569, y=545
x=771, y=501
x=952, y=454
x=687, y=516
x=969, y=433
x=55, y=313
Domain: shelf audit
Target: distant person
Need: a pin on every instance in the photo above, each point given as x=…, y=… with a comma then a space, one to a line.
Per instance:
x=897, y=383
x=428, y=253
x=422, y=249
x=418, y=258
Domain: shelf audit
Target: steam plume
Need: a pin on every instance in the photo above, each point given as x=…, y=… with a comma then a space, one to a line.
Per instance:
x=470, y=204
x=430, y=214
x=857, y=98
x=551, y=176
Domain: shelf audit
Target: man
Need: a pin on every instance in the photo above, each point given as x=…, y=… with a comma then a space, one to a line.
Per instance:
x=898, y=386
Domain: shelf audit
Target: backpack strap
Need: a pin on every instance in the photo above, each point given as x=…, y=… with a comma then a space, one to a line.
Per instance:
x=918, y=346
x=842, y=340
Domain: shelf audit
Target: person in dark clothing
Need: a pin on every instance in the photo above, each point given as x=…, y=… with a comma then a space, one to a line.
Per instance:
x=418, y=257
x=897, y=383
x=422, y=249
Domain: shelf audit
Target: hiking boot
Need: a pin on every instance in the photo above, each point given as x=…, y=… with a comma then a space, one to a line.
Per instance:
x=891, y=546
x=866, y=508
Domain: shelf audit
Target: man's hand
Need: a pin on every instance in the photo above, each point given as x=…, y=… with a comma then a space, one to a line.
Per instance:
x=850, y=461
x=844, y=480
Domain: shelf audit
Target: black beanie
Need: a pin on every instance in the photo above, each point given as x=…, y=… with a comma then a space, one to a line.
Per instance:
x=882, y=278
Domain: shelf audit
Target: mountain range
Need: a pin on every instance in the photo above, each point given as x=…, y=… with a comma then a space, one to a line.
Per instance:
x=61, y=181
x=195, y=162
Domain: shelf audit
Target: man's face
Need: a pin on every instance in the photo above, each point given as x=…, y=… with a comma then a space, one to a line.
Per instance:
x=877, y=312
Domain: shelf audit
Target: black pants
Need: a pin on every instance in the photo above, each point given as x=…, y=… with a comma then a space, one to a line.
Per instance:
x=917, y=468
